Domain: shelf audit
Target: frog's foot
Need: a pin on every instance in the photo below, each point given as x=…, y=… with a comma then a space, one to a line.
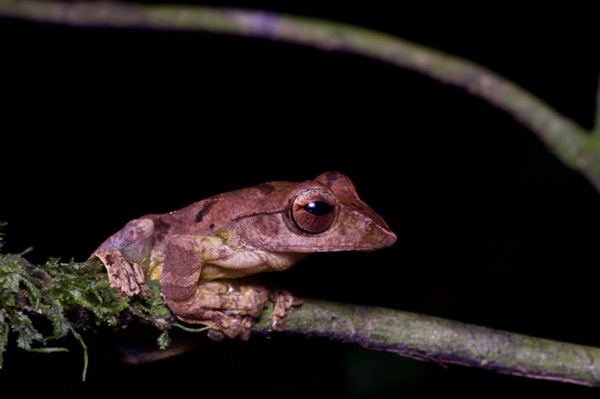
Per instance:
x=236, y=327
x=230, y=306
x=283, y=300
x=126, y=277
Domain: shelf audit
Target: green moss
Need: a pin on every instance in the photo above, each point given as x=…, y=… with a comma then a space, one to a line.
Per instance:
x=70, y=296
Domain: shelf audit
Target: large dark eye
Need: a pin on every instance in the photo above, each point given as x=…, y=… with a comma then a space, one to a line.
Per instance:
x=318, y=208
x=314, y=210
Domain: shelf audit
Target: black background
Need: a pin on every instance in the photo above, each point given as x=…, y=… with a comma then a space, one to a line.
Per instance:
x=100, y=126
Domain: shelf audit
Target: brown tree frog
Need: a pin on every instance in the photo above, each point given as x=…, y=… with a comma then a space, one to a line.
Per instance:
x=202, y=253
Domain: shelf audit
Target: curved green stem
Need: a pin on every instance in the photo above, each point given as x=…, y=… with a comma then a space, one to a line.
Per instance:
x=571, y=143
x=596, y=128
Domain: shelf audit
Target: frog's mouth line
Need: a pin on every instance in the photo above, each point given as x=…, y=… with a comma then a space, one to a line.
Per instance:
x=332, y=248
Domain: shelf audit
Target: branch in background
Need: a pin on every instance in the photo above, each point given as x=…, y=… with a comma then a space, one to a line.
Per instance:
x=572, y=144
x=596, y=121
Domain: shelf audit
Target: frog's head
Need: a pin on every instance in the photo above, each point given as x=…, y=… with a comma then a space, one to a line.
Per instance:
x=321, y=215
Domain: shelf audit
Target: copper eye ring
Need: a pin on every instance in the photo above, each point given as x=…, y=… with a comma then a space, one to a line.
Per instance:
x=314, y=210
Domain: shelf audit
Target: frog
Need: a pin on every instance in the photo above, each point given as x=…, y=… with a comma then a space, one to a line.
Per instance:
x=208, y=256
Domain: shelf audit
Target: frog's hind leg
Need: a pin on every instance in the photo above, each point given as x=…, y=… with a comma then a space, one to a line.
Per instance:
x=230, y=305
x=181, y=271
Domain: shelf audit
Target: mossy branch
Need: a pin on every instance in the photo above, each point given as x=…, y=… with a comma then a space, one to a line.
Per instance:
x=575, y=146
x=62, y=292
x=69, y=297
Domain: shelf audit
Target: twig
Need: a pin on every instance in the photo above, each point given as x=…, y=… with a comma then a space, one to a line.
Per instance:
x=445, y=341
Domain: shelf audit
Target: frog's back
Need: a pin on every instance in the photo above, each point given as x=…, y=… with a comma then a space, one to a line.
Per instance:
x=214, y=213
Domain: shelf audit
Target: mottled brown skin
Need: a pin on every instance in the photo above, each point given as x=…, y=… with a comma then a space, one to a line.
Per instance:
x=203, y=252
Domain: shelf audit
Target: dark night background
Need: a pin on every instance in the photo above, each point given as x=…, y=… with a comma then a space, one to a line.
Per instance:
x=102, y=126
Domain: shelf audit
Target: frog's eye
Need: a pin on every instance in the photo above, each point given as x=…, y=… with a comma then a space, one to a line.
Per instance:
x=314, y=210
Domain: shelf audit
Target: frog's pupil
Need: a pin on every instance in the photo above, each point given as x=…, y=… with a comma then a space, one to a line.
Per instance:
x=318, y=208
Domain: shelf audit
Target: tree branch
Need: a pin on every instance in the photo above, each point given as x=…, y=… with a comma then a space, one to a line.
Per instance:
x=445, y=341
x=572, y=144
x=62, y=292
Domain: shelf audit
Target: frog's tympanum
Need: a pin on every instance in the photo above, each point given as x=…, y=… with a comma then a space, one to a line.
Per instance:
x=202, y=253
